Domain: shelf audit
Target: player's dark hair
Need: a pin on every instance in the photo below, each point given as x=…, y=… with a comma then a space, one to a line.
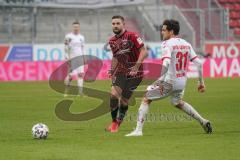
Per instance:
x=118, y=17
x=76, y=22
x=172, y=25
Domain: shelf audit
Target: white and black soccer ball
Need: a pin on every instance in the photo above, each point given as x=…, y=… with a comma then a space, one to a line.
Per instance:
x=40, y=131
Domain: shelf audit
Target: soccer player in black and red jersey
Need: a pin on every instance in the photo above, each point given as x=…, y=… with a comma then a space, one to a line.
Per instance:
x=126, y=69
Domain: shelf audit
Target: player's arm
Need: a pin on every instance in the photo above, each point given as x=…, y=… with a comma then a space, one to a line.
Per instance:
x=66, y=48
x=194, y=58
x=199, y=64
x=82, y=48
x=166, y=60
x=113, y=68
x=114, y=64
x=164, y=68
x=143, y=54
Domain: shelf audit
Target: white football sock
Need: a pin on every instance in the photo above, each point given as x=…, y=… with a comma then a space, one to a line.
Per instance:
x=68, y=81
x=187, y=108
x=80, y=84
x=142, y=114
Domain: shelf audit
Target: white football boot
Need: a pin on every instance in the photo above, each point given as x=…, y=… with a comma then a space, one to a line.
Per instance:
x=135, y=133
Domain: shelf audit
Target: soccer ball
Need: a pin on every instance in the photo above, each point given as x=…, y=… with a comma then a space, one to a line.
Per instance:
x=40, y=131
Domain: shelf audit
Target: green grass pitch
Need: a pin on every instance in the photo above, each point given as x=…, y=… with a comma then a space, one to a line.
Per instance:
x=23, y=104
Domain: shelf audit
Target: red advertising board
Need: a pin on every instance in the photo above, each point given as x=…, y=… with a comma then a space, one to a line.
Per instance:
x=223, y=49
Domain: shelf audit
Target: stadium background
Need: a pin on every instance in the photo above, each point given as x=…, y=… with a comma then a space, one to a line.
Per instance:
x=31, y=48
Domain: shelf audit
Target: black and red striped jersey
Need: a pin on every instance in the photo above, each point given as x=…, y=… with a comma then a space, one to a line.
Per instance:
x=126, y=49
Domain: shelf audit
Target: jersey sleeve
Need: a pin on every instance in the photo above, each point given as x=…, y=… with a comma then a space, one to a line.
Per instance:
x=66, y=39
x=66, y=46
x=83, y=41
x=138, y=42
x=112, y=47
x=166, y=51
x=192, y=54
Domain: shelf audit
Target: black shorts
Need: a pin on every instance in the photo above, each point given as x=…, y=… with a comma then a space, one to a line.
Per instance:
x=127, y=84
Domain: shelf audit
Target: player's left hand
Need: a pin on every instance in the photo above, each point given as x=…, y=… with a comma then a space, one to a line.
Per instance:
x=201, y=88
x=133, y=70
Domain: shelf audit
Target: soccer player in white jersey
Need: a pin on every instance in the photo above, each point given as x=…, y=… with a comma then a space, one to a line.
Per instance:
x=176, y=54
x=74, y=47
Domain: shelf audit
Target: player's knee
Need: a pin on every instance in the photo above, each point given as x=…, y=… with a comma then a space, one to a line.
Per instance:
x=115, y=93
x=174, y=101
x=69, y=78
x=113, y=96
x=146, y=100
x=177, y=103
x=124, y=101
x=80, y=75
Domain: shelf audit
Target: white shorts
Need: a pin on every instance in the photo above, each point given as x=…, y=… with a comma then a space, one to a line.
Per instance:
x=75, y=67
x=164, y=90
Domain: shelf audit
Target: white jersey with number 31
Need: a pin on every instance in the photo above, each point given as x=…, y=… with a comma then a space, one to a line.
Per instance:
x=179, y=52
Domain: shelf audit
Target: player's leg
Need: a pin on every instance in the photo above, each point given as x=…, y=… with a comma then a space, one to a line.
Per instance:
x=122, y=109
x=80, y=82
x=68, y=79
x=114, y=107
x=78, y=69
x=114, y=101
x=153, y=93
x=142, y=114
x=177, y=101
x=118, y=83
x=131, y=85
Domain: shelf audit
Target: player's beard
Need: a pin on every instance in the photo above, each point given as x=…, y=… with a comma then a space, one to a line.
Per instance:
x=117, y=32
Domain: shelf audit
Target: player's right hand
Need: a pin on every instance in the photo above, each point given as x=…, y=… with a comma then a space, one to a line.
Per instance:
x=201, y=88
x=66, y=57
x=134, y=70
x=110, y=72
